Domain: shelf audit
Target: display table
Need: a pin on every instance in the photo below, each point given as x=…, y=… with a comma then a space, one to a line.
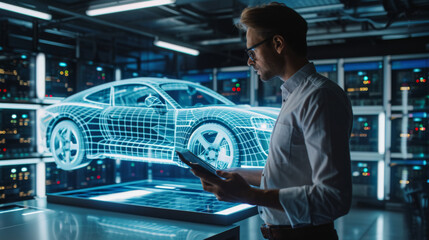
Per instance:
x=39, y=220
x=161, y=199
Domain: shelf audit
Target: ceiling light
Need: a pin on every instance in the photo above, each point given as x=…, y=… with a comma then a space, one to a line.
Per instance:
x=177, y=48
x=127, y=7
x=221, y=41
x=25, y=11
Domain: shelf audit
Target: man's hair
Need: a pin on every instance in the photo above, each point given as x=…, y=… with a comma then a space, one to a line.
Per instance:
x=277, y=18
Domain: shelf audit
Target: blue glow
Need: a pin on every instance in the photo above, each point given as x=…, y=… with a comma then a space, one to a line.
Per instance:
x=417, y=168
x=24, y=56
x=99, y=69
x=409, y=162
x=365, y=78
x=362, y=66
x=416, y=70
x=246, y=166
x=136, y=99
x=427, y=181
x=99, y=162
x=122, y=195
x=326, y=68
x=362, y=164
x=165, y=187
x=365, y=170
x=230, y=75
x=198, y=77
x=418, y=115
x=361, y=119
x=417, y=119
x=234, y=209
x=234, y=80
x=1, y=48
x=62, y=64
x=24, y=116
x=410, y=64
x=262, y=123
x=13, y=210
x=135, y=74
x=360, y=73
x=30, y=213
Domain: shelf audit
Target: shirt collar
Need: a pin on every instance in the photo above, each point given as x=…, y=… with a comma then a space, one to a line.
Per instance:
x=296, y=79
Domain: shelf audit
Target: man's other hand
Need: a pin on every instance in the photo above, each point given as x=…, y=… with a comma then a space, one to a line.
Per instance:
x=233, y=188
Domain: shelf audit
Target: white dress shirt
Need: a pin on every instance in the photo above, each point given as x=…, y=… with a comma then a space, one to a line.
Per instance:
x=309, y=156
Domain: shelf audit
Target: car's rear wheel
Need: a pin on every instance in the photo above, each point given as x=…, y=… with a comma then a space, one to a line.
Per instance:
x=215, y=144
x=67, y=146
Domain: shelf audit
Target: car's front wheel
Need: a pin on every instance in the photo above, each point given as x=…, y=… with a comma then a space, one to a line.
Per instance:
x=67, y=146
x=215, y=144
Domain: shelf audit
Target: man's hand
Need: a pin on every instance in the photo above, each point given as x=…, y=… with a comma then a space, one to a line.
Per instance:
x=251, y=175
x=233, y=188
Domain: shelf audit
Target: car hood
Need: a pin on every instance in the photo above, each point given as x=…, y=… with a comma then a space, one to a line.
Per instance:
x=271, y=112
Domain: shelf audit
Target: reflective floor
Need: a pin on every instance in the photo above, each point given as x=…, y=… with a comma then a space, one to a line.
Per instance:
x=37, y=219
x=372, y=224
x=359, y=224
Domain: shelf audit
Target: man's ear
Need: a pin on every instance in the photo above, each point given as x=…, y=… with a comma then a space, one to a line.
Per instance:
x=279, y=43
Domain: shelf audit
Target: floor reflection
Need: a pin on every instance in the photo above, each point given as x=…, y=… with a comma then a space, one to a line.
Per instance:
x=375, y=224
x=67, y=226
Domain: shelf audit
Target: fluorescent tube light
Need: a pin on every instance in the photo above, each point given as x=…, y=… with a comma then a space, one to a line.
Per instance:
x=40, y=178
x=381, y=132
x=40, y=75
x=117, y=74
x=380, y=180
x=127, y=7
x=177, y=48
x=25, y=11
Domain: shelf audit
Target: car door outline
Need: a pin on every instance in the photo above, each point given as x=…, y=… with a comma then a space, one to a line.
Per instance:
x=137, y=129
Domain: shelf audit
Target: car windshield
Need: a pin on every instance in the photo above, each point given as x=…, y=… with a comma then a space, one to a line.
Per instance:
x=188, y=96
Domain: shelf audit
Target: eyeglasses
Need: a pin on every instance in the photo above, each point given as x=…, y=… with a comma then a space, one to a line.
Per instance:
x=251, y=51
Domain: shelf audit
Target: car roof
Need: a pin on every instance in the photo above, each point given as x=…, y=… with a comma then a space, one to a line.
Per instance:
x=146, y=80
x=151, y=81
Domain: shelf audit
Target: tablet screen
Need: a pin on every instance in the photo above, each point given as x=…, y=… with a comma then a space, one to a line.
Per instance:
x=186, y=155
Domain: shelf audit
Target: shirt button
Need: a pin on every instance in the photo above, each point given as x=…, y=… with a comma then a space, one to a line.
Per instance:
x=260, y=211
x=284, y=100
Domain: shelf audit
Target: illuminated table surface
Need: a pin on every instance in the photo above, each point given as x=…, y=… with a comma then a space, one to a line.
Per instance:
x=181, y=201
x=38, y=219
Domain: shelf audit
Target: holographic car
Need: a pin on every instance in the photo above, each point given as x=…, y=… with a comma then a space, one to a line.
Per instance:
x=146, y=119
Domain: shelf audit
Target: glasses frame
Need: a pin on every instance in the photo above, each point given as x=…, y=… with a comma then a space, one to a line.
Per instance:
x=252, y=48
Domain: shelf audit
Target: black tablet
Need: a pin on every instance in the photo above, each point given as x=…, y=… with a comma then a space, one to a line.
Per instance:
x=188, y=157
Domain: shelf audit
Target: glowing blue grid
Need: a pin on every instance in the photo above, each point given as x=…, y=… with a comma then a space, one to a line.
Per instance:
x=174, y=200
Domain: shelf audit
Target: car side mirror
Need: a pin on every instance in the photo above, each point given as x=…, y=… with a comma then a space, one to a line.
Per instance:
x=160, y=108
x=154, y=102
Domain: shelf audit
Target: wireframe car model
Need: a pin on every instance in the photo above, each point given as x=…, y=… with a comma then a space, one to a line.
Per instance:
x=145, y=119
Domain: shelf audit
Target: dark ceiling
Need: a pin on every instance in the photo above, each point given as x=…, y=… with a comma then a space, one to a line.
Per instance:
x=337, y=28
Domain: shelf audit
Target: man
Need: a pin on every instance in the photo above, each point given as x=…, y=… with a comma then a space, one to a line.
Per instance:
x=306, y=182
